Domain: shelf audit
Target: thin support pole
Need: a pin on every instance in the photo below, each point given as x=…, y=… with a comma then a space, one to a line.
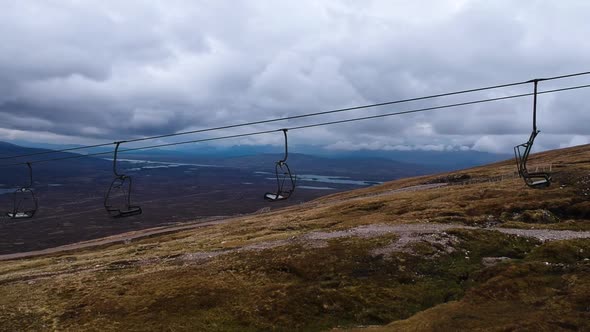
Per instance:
x=30, y=175
x=286, y=147
x=115, y=160
x=536, y=82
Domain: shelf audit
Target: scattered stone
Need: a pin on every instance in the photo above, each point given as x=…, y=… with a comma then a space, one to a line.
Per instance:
x=263, y=210
x=438, y=243
x=491, y=261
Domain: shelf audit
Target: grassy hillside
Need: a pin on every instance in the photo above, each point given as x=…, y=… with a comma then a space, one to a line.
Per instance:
x=446, y=252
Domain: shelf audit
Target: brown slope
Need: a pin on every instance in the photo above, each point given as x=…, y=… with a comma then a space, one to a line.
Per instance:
x=370, y=256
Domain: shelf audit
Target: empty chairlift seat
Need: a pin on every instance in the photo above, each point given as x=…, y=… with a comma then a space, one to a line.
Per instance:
x=117, y=201
x=25, y=203
x=537, y=180
x=285, y=179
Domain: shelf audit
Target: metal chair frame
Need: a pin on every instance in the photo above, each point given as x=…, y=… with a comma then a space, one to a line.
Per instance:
x=20, y=196
x=284, y=177
x=119, y=182
x=537, y=180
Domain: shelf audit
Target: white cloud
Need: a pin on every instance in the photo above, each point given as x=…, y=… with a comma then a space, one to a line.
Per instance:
x=95, y=70
x=576, y=140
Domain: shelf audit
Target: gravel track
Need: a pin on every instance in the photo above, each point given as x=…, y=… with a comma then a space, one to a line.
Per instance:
x=407, y=233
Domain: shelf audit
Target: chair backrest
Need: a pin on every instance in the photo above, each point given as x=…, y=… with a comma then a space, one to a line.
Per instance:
x=285, y=183
x=124, y=208
x=124, y=184
x=25, y=204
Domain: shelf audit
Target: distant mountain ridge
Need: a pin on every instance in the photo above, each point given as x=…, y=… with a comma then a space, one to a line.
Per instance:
x=370, y=165
x=368, y=168
x=441, y=160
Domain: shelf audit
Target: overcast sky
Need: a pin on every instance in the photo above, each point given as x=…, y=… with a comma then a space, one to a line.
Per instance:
x=95, y=71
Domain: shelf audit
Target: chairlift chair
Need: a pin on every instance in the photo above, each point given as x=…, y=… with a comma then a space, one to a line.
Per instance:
x=285, y=179
x=537, y=180
x=25, y=203
x=122, y=183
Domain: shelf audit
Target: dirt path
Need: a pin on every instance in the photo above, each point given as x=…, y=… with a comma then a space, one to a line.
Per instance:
x=408, y=233
x=431, y=228
x=119, y=238
x=545, y=234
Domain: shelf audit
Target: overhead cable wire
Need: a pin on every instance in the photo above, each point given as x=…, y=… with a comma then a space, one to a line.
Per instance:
x=301, y=116
x=419, y=110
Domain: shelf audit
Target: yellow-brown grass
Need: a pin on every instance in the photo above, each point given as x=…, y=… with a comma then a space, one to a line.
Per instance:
x=249, y=274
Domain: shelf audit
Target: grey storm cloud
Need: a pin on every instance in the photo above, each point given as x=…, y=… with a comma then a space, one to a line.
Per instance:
x=95, y=71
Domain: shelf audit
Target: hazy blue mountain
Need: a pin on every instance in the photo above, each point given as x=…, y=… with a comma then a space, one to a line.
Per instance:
x=439, y=160
x=377, y=164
